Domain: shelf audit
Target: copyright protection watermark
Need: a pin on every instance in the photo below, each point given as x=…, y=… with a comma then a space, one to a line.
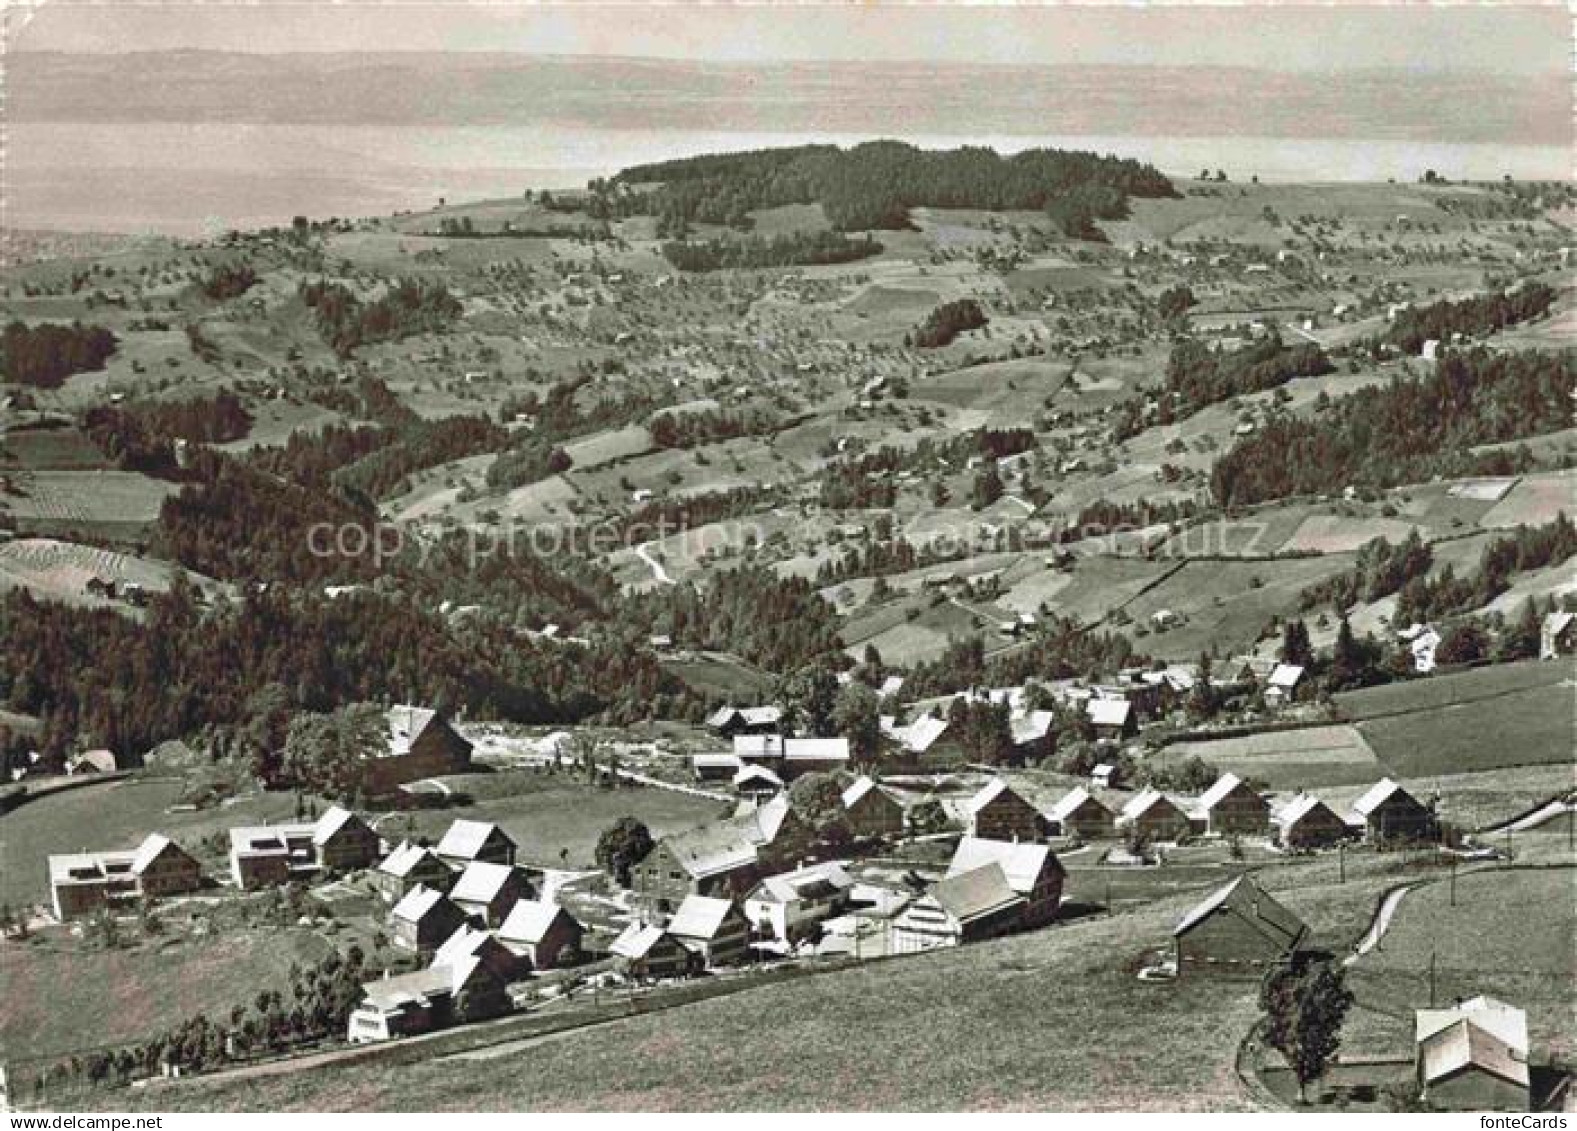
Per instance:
x=937, y=536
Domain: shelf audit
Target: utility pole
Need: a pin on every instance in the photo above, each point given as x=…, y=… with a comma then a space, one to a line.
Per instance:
x=1341, y=861
x=1431, y=979
x=1110, y=911
x=1453, y=885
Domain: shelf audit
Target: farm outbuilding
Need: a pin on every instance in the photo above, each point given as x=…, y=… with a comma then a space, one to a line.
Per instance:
x=998, y=812
x=869, y=810
x=1387, y=814
x=1081, y=814
x=1238, y=925
x=1307, y=822
x=1473, y=1056
x=1231, y=806
x=1156, y=816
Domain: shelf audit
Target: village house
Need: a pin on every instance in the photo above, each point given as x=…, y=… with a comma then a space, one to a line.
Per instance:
x=714, y=930
x=1111, y=717
x=870, y=811
x=1557, y=635
x=422, y=744
x=407, y=866
x=470, y=942
x=1032, y=735
x=757, y=783
x=265, y=855
x=1281, y=688
x=1238, y=925
x=997, y=812
x=928, y=739
x=960, y=909
x=1473, y=1056
x=466, y=842
x=1307, y=822
x=791, y=757
x=789, y=904
x=1033, y=872
x=1080, y=814
x=423, y=920
x=1156, y=817
x=81, y=883
x=715, y=767
x=486, y=892
x=729, y=721
x=425, y=1000
x=644, y=952
x=1387, y=813
x=1230, y=807
x=723, y=858
x=543, y=933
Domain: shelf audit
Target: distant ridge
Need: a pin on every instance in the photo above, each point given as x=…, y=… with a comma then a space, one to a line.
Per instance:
x=482, y=89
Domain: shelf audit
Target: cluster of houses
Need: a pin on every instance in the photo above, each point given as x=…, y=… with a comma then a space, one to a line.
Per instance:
x=1230, y=807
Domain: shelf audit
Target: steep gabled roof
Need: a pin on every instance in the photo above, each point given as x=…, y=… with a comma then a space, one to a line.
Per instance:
x=1462, y=1043
x=530, y=920
x=481, y=882
x=1218, y=792
x=1108, y=712
x=636, y=941
x=330, y=823
x=1300, y=807
x=1145, y=800
x=974, y=894
x=1377, y=795
x=1073, y=800
x=464, y=839
x=995, y=790
x=419, y=903
x=1021, y=862
x=1249, y=902
x=151, y=848
x=1285, y=676
x=699, y=917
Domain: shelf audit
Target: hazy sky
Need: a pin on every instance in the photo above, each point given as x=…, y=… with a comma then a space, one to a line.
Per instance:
x=1525, y=38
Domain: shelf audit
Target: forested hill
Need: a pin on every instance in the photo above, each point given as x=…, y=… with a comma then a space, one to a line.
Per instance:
x=873, y=185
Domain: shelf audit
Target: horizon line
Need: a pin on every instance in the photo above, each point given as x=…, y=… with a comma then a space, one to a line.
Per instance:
x=703, y=61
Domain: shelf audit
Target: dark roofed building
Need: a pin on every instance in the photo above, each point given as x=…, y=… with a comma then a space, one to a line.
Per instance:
x=1238, y=925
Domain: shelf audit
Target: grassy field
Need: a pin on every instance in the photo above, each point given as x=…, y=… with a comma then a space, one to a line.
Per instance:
x=60, y=571
x=112, y=815
x=50, y=986
x=1442, y=724
x=547, y=813
x=1288, y=760
x=107, y=504
x=1510, y=934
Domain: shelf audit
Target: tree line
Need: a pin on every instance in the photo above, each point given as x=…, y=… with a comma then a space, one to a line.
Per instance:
x=1481, y=314
x=411, y=306
x=1404, y=432
x=873, y=186
x=43, y=356
x=792, y=249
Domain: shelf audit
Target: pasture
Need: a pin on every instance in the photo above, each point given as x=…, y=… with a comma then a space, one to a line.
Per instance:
x=116, y=815
x=50, y=987
x=1289, y=760
x=114, y=505
x=548, y=814
x=1511, y=934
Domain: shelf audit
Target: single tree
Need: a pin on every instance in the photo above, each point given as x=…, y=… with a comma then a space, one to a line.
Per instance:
x=1305, y=1003
x=621, y=846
